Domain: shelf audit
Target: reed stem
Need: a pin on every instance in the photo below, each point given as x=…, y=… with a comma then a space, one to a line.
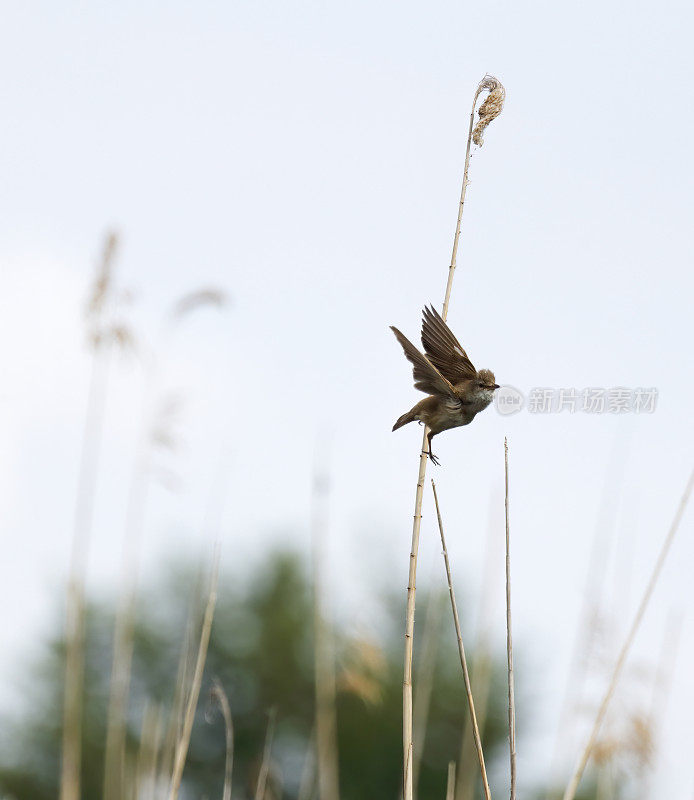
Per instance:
x=461, y=652
x=184, y=740
x=407, y=725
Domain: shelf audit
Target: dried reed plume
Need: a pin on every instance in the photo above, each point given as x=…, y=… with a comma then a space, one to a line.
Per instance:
x=461, y=652
x=570, y=792
x=199, y=299
x=490, y=109
x=487, y=84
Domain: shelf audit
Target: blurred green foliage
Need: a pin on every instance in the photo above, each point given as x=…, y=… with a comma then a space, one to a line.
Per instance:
x=261, y=651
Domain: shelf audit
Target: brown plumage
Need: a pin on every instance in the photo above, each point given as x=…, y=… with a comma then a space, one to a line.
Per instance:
x=457, y=391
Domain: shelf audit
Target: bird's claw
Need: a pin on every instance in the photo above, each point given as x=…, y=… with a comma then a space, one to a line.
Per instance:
x=434, y=460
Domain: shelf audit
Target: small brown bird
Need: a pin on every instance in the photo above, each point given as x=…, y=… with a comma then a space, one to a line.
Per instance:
x=457, y=390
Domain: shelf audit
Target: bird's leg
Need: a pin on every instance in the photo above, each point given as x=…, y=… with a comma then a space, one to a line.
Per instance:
x=433, y=458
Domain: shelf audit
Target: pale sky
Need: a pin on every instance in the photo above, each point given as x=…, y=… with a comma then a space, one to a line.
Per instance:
x=306, y=158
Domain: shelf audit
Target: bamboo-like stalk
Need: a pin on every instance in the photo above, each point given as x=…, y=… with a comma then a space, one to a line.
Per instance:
x=509, y=638
x=72, y=704
x=570, y=792
x=480, y=679
x=150, y=742
x=184, y=740
x=491, y=84
x=123, y=639
x=265, y=763
x=174, y=725
x=450, y=783
x=324, y=662
x=219, y=695
x=461, y=652
x=84, y=517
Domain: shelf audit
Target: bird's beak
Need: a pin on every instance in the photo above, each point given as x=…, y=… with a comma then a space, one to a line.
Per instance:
x=496, y=386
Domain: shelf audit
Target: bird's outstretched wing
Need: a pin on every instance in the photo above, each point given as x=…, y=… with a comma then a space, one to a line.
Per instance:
x=426, y=377
x=443, y=350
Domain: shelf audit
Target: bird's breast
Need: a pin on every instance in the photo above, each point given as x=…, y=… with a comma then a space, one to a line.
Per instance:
x=449, y=414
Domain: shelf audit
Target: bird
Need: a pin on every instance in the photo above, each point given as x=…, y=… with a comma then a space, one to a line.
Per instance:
x=457, y=391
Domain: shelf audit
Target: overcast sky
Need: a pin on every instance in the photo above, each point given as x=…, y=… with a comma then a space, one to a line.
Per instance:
x=306, y=158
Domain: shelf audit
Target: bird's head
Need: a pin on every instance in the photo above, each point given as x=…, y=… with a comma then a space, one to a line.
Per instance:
x=486, y=381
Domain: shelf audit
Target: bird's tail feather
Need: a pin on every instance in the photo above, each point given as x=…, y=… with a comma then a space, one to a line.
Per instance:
x=404, y=419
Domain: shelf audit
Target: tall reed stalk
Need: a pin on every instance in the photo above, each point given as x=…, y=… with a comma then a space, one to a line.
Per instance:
x=102, y=334
x=324, y=660
x=194, y=691
x=496, y=94
x=461, y=652
x=220, y=696
x=155, y=430
x=114, y=766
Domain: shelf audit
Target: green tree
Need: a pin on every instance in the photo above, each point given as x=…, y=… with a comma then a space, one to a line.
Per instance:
x=261, y=652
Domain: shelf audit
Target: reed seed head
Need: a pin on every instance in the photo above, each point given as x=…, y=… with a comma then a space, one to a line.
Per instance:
x=101, y=287
x=491, y=108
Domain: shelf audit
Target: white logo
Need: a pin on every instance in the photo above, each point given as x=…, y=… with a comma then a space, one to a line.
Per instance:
x=508, y=400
